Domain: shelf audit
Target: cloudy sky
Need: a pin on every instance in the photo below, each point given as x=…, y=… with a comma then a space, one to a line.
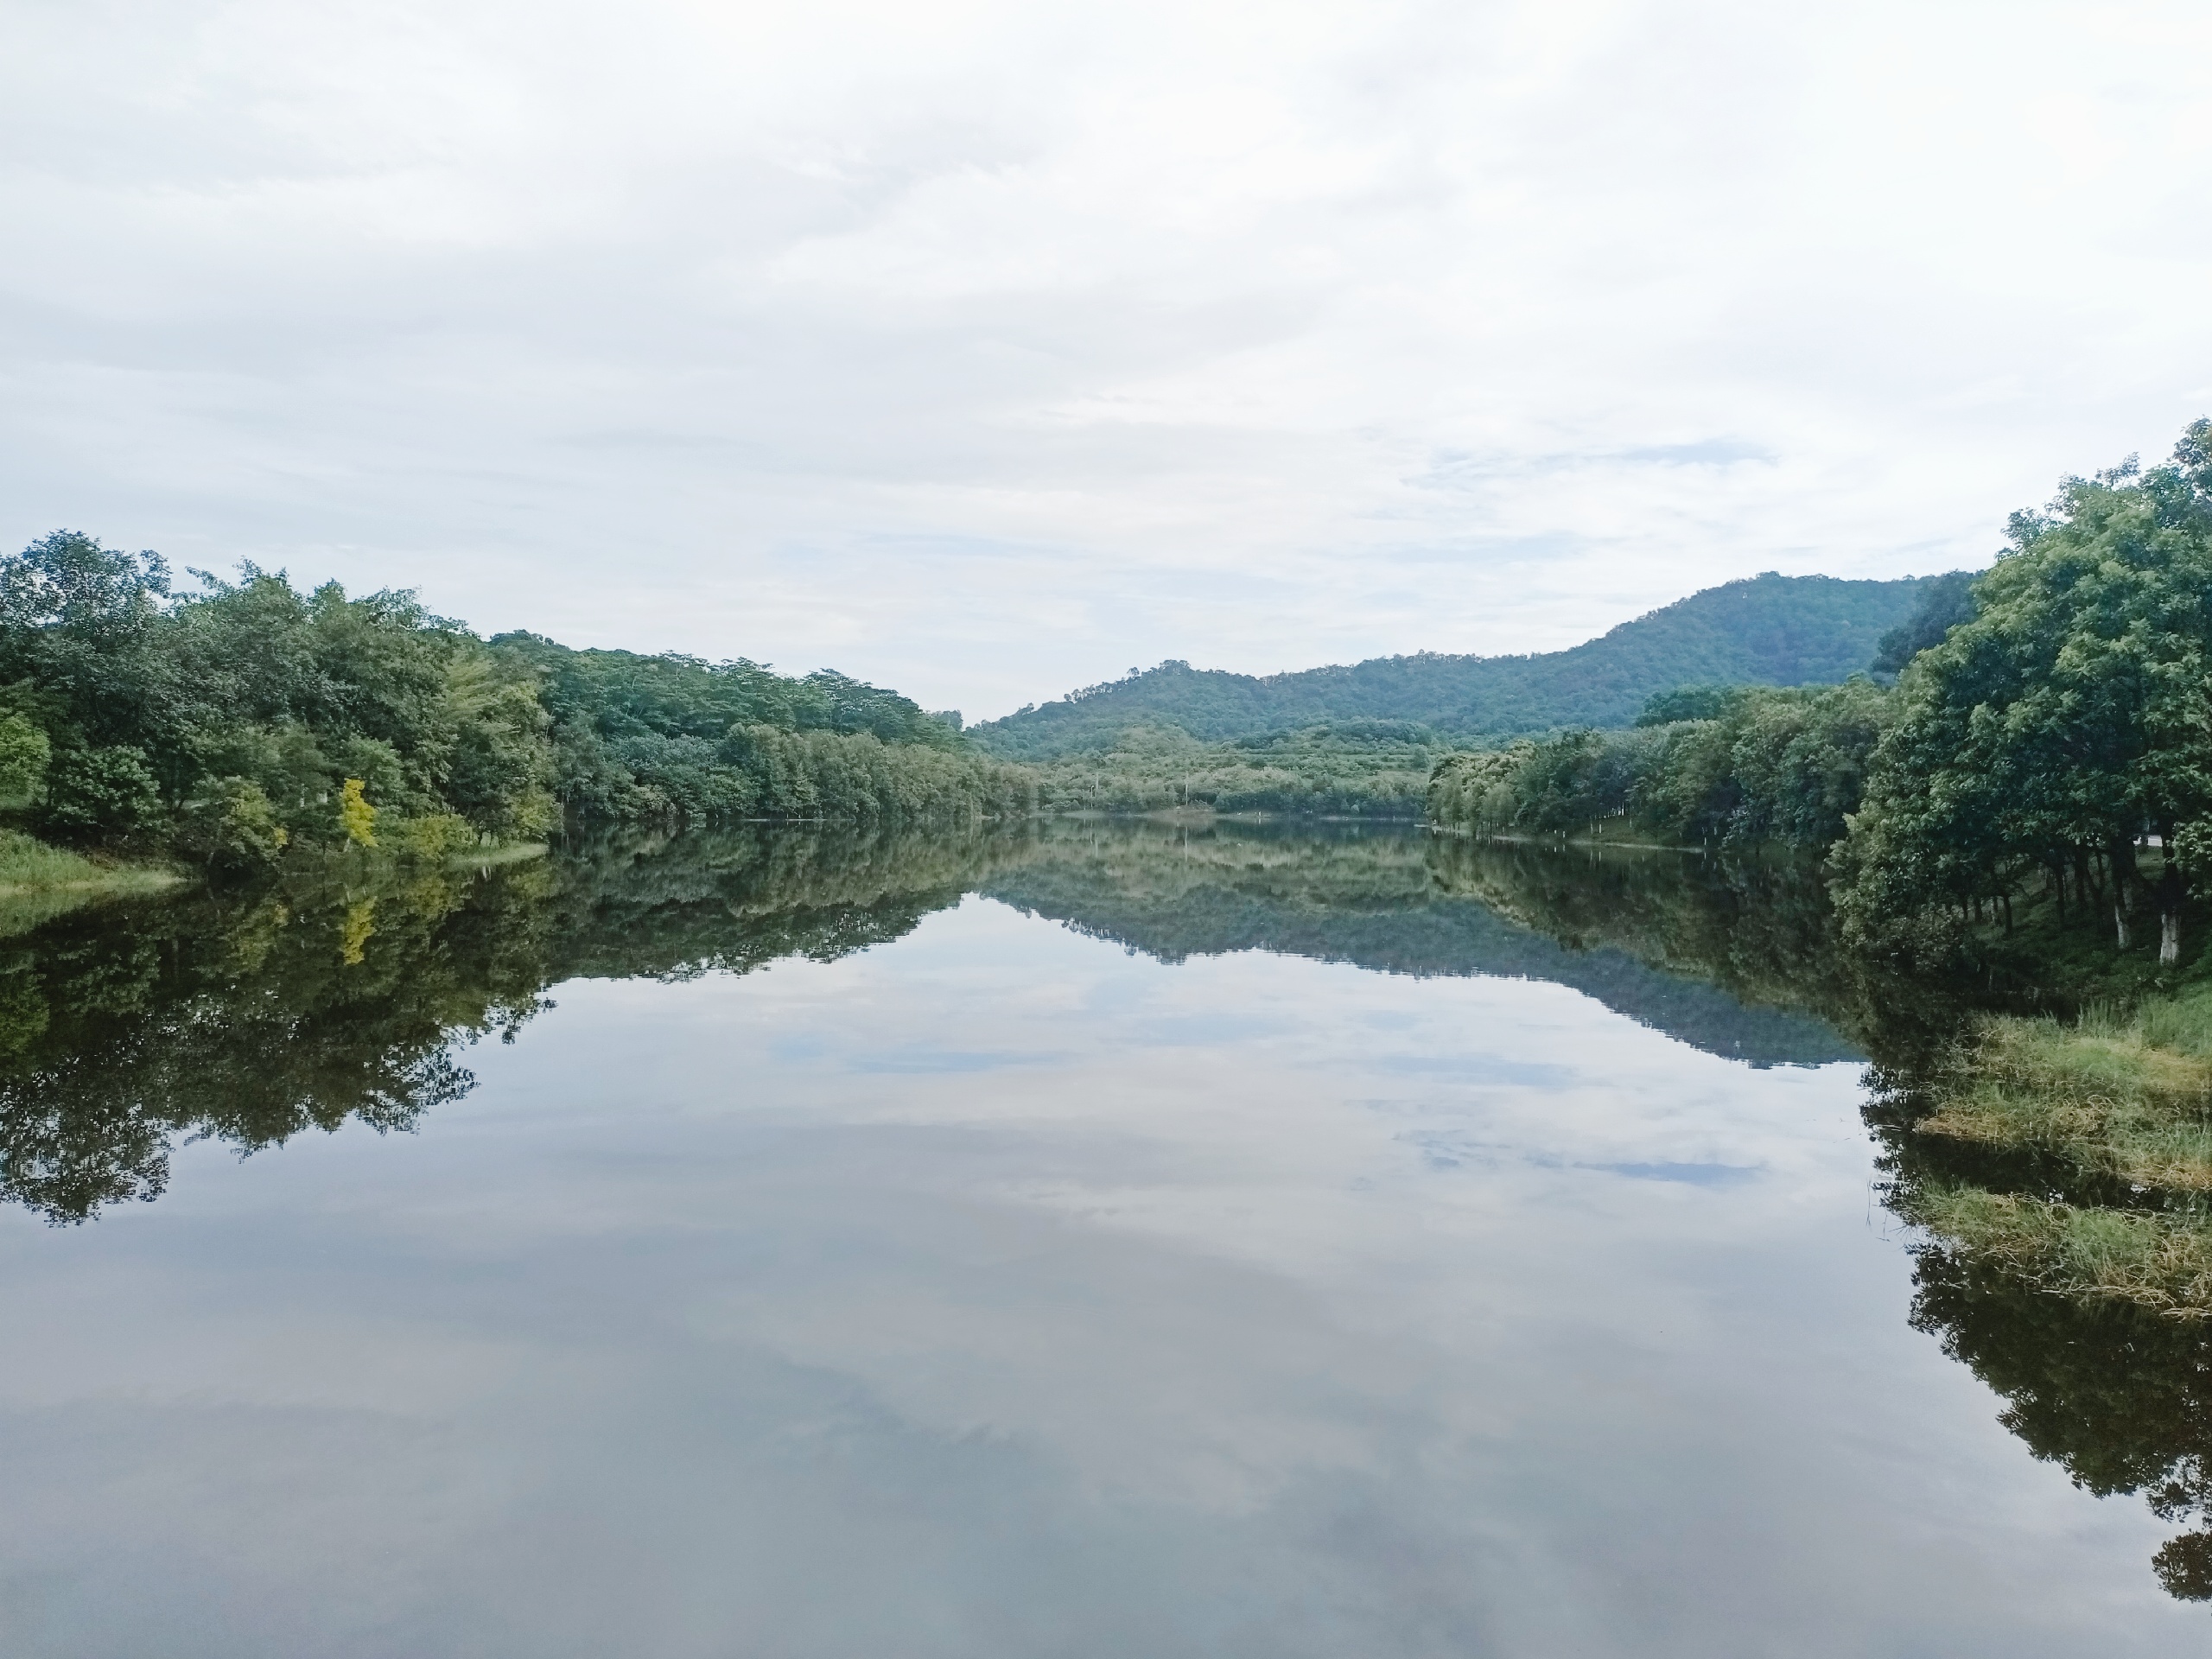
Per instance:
x=987, y=349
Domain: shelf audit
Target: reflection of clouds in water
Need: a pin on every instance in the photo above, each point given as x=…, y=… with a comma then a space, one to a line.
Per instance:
x=1689, y=1174
x=1167, y=1346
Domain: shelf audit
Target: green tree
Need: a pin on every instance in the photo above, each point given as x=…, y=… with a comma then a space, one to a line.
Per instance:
x=233, y=826
x=24, y=754
x=2062, y=722
x=109, y=790
x=1944, y=602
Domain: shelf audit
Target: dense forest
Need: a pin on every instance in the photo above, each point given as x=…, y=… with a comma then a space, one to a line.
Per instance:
x=229, y=721
x=1769, y=630
x=232, y=721
x=1729, y=766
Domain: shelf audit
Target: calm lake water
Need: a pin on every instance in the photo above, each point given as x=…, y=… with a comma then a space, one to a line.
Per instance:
x=1108, y=1241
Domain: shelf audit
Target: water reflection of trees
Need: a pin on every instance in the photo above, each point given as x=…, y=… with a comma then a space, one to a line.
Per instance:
x=2118, y=1396
x=1757, y=928
x=1399, y=900
x=249, y=1016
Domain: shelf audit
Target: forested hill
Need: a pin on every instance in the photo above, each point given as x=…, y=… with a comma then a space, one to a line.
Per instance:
x=1769, y=630
x=229, y=724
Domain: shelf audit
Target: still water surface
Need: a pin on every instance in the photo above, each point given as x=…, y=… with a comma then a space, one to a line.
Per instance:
x=1115, y=1242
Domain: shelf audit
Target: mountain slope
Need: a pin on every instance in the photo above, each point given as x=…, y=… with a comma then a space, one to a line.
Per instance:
x=1769, y=630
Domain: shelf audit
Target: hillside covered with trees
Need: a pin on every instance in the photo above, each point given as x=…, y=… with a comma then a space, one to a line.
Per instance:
x=1769, y=630
x=235, y=721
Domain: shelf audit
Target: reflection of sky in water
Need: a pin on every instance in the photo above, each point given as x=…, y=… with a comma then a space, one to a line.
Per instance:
x=997, y=1292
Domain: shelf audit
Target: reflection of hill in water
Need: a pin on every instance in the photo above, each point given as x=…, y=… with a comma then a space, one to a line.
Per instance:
x=1406, y=903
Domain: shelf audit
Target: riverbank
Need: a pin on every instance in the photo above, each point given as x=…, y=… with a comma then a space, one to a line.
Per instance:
x=39, y=882
x=28, y=867
x=2113, y=1110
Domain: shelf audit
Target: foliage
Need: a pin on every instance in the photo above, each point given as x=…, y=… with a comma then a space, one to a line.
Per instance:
x=2064, y=720
x=109, y=790
x=1944, y=602
x=1771, y=629
x=1687, y=702
x=233, y=826
x=25, y=753
x=673, y=740
x=1756, y=765
x=430, y=838
x=357, y=815
x=1352, y=768
x=243, y=718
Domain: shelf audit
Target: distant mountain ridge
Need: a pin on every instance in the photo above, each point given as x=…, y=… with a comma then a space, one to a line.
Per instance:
x=1765, y=630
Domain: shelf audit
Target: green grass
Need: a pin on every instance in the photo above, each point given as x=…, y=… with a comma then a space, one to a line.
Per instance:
x=484, y=858
x=2162, y=1261
x=2124, y=1094
x=2118, y=1092
x=29, y=864
x=39, y=882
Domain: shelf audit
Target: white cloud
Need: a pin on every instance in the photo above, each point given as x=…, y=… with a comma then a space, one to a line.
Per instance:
x=986, y=349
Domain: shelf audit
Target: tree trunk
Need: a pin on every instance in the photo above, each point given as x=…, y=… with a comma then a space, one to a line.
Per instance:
x=2122, y=856
x=2169, y=915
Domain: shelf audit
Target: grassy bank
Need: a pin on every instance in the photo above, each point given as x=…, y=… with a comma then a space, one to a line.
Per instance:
x=2161, y=1260
x=39, y=882
x=2115, y=1108
x=29, y=866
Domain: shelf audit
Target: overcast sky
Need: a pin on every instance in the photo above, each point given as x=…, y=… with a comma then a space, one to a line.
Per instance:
x=987, y=350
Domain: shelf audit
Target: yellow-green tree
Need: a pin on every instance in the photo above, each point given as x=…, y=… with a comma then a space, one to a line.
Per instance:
x=357, y=815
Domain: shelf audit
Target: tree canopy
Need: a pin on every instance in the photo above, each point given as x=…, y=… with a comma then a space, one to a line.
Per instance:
x=237, y=718
x=2068, y=717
